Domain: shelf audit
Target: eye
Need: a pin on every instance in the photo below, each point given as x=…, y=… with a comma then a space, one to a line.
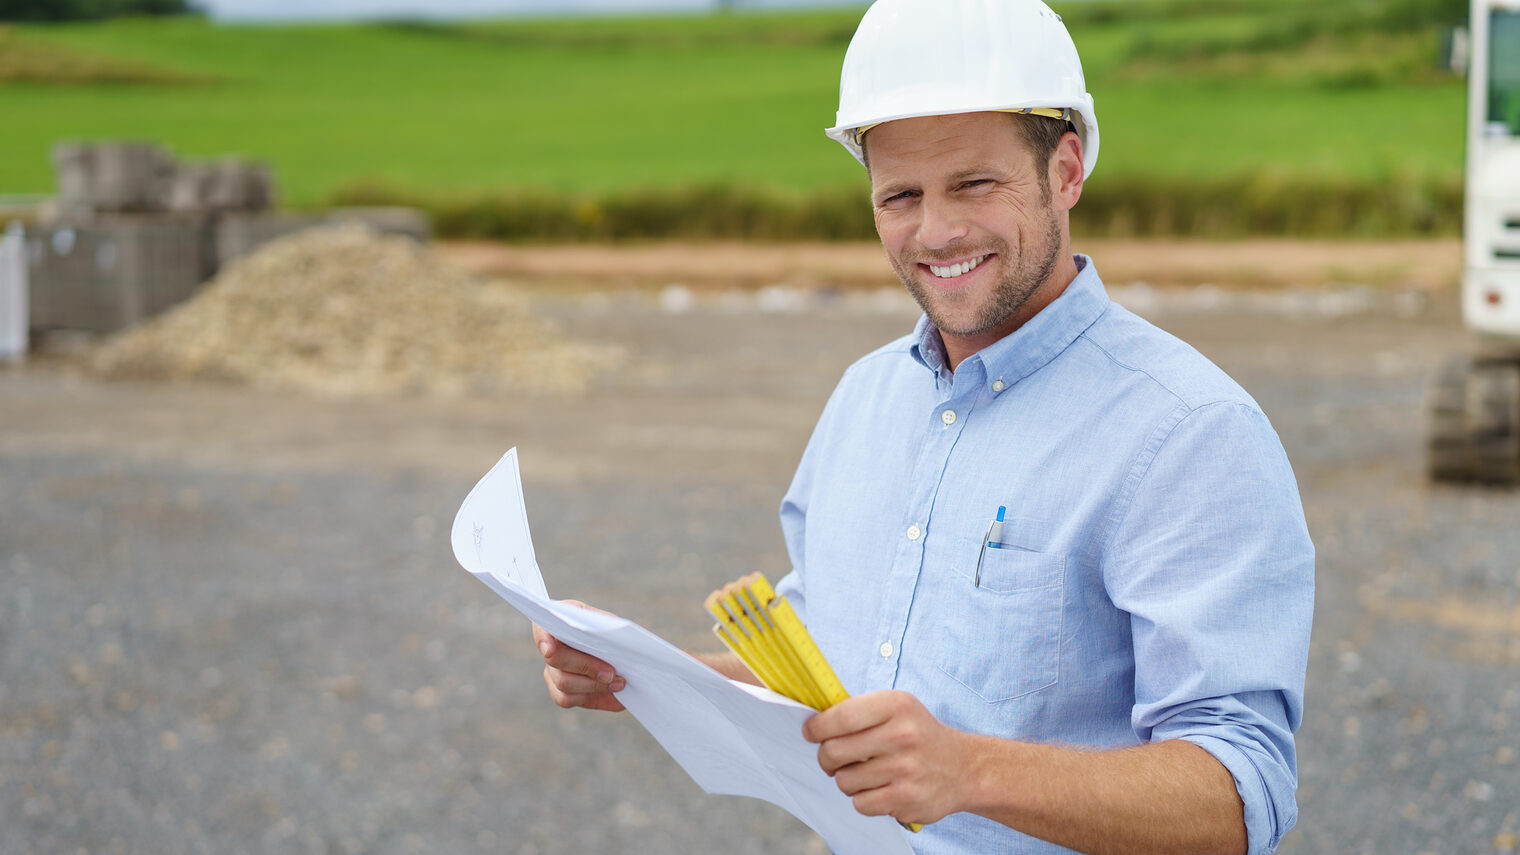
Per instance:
x=975, y=183
x=896, y=198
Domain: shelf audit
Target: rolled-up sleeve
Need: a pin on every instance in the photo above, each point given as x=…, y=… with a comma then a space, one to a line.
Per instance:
x=1210, y=557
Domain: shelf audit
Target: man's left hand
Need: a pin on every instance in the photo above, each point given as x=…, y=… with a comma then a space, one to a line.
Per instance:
x=891, y=756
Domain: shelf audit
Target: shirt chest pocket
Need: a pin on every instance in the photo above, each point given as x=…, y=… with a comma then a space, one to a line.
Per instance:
x=1003, y=637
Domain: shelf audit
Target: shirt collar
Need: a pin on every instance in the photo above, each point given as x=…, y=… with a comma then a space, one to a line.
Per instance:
x=1028, y=348
x=928, y=348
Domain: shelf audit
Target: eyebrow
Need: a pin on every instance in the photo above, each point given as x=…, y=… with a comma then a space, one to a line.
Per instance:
x=974, y=171
x=887, y=191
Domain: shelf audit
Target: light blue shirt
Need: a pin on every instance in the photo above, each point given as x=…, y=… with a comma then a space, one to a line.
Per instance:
x=1157, y=578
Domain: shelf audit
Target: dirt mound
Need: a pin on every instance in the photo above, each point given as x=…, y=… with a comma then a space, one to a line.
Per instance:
x=343, y=310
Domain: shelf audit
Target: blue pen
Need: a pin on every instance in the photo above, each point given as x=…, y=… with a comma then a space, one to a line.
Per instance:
x=993, y=539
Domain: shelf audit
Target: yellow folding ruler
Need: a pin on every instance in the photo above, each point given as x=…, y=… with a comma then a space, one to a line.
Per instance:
x=765, y=633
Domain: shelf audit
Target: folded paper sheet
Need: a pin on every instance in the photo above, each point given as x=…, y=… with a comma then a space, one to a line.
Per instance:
x=732, y=738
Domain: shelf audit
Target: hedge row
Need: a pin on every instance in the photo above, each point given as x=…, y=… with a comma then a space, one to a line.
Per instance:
x=1260, y=204
x=86, y=10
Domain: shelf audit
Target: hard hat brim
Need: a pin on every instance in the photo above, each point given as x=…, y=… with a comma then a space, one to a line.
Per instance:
x=1085, y=121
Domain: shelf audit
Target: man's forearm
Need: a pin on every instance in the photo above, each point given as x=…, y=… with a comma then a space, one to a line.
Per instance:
x=1168, y=797
x=728, y=665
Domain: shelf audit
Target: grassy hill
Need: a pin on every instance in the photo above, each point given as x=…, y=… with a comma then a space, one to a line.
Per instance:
x=582, y=121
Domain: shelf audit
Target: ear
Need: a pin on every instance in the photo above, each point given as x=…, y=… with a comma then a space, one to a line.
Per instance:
x=1066, y=173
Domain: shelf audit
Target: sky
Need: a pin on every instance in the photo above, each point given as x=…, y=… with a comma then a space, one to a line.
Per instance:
x=348, y=9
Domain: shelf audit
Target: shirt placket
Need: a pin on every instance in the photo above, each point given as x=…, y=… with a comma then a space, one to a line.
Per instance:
x=942, y=430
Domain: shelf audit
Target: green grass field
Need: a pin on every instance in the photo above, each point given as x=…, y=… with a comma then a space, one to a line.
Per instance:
x=605, y=106
x=438, y=108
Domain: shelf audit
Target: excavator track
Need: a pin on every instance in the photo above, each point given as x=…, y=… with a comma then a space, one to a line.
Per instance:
x=1473, y=420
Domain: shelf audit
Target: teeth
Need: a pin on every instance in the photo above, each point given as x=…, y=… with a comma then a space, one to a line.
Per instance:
x=956, y=269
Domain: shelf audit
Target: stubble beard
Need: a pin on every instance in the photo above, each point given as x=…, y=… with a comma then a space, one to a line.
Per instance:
x=1021, y=278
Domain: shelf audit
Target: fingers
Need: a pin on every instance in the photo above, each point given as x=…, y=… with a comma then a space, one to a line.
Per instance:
x=873, y=785
x=889, y=754
x=573, y=662
x=837, y=752
x=578, y=684
x=854, y=775
x=842, y=732
x=886, y=784
x=879, y=801
x=599, y=697
x=577, y=679
x=856, y=714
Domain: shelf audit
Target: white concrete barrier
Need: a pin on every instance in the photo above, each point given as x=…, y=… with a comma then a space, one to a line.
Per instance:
x=13, y=294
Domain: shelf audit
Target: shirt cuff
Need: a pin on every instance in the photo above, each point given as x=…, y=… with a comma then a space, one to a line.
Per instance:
x=1264, y=826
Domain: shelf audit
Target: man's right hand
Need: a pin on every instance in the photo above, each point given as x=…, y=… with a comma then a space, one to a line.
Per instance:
x=576, y=679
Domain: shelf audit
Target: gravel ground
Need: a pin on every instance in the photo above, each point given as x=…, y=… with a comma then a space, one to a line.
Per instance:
x=231, y=622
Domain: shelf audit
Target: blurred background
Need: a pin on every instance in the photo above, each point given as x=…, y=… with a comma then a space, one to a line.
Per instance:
x=1226, y=119
x=282, y=280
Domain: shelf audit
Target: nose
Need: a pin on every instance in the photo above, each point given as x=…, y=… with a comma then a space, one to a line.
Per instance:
x=940, y=224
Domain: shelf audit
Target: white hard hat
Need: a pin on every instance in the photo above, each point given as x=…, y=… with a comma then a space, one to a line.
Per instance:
x=939, y=57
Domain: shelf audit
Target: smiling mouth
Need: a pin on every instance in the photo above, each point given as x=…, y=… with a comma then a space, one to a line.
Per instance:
x=960, y=269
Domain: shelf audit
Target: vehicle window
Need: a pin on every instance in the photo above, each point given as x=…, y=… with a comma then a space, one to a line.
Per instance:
x=1504, y=72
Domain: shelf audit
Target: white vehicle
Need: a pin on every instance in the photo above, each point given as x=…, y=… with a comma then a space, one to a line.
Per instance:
x=1474, y=401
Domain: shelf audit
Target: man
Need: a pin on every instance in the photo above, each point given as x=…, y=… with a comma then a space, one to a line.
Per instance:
x=1057, y=557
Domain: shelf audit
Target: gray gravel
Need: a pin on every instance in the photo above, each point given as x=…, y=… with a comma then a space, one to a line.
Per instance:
x=231, y=622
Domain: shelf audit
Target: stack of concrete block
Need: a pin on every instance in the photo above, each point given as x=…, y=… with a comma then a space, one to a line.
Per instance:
x=142, y=178
x=228, y=185
x=115, y=271
x=135, y=231
x=132, y=232
x=118, y=177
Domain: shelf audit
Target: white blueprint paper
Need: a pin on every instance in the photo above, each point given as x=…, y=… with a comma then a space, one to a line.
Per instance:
x=732, y=738
x=491, y=529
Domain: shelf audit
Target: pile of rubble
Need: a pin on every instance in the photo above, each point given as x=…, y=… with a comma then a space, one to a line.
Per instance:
x=343, y=310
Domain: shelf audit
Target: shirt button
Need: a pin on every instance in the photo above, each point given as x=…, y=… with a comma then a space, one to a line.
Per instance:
x=886, y=650
x=914, y=532
x=997, y=385
x=948, y=416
